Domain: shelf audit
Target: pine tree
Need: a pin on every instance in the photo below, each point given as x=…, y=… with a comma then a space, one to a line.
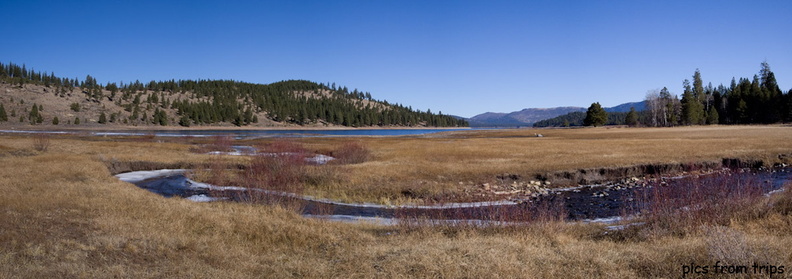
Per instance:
x=160, y=117
x=34, y=116
x=184, y=121
x=698, y=87
x=55, y=121
x=692, y=110
x=787, y=111
x=712, y=116
x=632, y=118
x=102, y=118
x=595, y=116
x=3, y=116
x=742, y=112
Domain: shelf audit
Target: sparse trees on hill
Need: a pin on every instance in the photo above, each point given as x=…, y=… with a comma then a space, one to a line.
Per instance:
x=215, y=101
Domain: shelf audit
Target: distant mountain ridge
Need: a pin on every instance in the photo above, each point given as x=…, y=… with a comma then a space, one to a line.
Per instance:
x=527, y=117
x=639, y=106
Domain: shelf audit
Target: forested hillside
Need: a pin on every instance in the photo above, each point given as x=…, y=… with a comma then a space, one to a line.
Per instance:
x=31, y=97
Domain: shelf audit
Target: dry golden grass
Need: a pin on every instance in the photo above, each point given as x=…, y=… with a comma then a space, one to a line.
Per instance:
x=456, y=162
x=62, y=214
x=452, y=165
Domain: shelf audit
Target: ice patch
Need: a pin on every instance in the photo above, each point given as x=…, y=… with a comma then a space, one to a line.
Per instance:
x=232, y=153
x=241, y=150
x=774, y=192
x=319, y=159
x=203, y=198
x=137, y=176
x=355, y=219
x=607, y=220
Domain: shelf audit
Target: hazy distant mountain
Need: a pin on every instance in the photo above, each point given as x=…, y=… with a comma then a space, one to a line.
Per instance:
x=525, y=117
x=528, y=116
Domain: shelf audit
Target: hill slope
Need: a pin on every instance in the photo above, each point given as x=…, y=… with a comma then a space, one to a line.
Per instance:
x=64, y=101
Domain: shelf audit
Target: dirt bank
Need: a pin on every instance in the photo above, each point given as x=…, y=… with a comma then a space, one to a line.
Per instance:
x=602, y=175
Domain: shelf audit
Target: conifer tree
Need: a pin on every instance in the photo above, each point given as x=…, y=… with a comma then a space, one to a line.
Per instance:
x=102, y=118
x=632, y=118
x=692, y=110
x=34, y=116
x=3, y=115
x=712, y=116
x=595, y=116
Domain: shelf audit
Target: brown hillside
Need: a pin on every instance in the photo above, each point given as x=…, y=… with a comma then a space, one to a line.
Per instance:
x=18, y=101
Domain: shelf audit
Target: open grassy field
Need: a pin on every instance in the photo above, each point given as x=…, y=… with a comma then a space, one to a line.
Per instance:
x=63, y=215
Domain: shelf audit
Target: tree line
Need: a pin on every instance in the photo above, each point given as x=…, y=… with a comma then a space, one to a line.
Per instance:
x=578, y=118
x=757, y=100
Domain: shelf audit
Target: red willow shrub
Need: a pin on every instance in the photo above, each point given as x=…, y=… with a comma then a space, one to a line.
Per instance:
x=352, y=153
x=220, y=143
x=783, y=202
x=280, y=166
x=683, y=205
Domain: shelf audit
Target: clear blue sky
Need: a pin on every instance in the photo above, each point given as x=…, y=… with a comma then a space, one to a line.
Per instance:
x=458, y=57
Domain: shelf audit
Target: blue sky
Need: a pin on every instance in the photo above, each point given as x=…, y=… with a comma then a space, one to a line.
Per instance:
x=458, y=57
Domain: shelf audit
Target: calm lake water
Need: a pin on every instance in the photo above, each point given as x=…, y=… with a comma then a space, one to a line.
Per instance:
x=244, y=134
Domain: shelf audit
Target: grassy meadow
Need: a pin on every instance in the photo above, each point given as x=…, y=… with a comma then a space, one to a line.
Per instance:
x=65, y=216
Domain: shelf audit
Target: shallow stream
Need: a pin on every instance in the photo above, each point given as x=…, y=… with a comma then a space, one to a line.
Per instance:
x=587, y=203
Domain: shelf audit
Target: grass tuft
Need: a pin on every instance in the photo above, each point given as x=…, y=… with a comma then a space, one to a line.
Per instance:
x=41, y=142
